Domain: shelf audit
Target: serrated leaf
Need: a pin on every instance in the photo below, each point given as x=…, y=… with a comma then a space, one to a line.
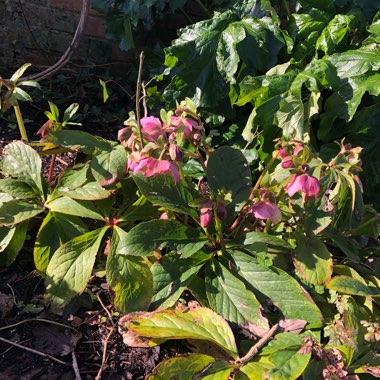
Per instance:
x=182, y=367
x=129, y=278
x=162, y=191
x=200, y=323
x=74, y=177
x=23, y=162
x=71, y=265
x=17, y=189
x=16, y=211
x=84, y=209
x=55, y=230
x=229, y=297
x=254, y=237
x=144, y=238
x=89, y=191
x=293, y=301
x=312, y=260
x=8, y=256
x=109, y=166
x=171, y=275
x=350, y=285
x=227, y=169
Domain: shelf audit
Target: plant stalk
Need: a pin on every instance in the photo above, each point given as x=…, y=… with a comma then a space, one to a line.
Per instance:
x=204, y=9
x=20, y=122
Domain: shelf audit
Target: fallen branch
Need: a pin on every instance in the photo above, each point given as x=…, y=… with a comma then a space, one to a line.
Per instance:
x=254, y=350
x=35, y=352
x=104, y=357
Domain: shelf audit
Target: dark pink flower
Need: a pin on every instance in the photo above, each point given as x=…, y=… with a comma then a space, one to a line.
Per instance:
x=149, y=166
x=206, y=214
x=221, y=211
x=151, y=128
x=306, y=183
x=189, y=125
x=175, y=152
x=266, y=210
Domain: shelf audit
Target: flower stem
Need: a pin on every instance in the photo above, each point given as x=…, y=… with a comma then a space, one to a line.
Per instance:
x=204, y=9
x=51, y=168
x=20, y=122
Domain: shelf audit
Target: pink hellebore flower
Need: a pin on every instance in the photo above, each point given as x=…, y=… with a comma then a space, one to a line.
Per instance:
x=266, y=210
x=306, y=183
x=151, y=128
x=206, y=214
x=149, y=166
x=188, y=124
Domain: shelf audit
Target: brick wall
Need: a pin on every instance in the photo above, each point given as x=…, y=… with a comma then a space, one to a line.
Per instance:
x=39, y=31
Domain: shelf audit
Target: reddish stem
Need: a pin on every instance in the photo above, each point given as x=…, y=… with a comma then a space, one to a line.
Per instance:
x=51, y=168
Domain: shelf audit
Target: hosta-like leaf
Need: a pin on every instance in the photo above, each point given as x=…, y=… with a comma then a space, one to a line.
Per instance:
x=71, y=266
x=144, y=238
x=89, y=191
x=227, y=169
x=16, y=211
x=350, y=285
x=312, y=260
x=23, y=162
x=17, y=189
x=162, y=191
x=129, y=277
x=84, y=209
x=171, y=275
x=55, y=230
x=200, y=323
x=280, y=287
x=109, y=166
x=229, y=297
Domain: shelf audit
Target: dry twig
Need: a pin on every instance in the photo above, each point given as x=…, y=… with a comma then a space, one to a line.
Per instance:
x=75, y=366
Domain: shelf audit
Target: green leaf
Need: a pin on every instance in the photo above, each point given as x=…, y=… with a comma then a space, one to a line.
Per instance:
x=71, y=266
x=23, y=162
x=129, y=277
x=350, y=285
x=84, y=209
x=21, y=95
x=162, y=191
x=200, y=323
x=16, y=211
x=171, y=276
x=78, y=140
x=144, y=238
x=89, y=191
x=109, y=166
x=55, y=230
x=254, y=237
x=74, y=177
x=17, y=189
x=335, y=32
x=293, y=301
x=182, y=368
x=228, y=296
x=70, y=111
x=227, y=169
x=312, y=260
x=105, y=92
x=18, y=74
x=8, y=256
x=279, y=360
x=6, y=235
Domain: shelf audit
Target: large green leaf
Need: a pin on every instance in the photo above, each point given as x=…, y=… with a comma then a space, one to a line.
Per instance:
x=280, y=287
x=253, y=237
x=71, y=266
x=350, y=285
x=17, y=189
x=227, y=169
x=109, y=166
x=16, y=211
x=144, y=238
x=229, y=297
x=9, y=254
x=200, y=323
x=312, y=260
x=88, y=191
x=66, y=205
x=55, y=230
x=129, y=277
x=162, y=191
x=171, y=275
x=279, y=360
x=181, y=368
x=23, y=162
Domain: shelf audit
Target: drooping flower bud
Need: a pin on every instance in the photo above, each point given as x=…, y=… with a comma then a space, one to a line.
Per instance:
x=175, y=152
x=306, y=183
x=149, y=166
x=221, y=211
x=206, y=214
x=266, y=210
